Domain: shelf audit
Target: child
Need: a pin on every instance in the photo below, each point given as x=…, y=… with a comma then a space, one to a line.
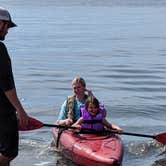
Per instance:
x=93, y=116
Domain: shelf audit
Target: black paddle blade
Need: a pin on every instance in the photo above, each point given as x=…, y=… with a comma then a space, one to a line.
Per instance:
x=161, y=138
x=32, y=125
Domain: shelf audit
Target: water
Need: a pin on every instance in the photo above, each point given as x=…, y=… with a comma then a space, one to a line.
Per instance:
x=117, y=46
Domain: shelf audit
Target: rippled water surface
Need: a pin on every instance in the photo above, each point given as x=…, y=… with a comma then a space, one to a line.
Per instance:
x=117, y=46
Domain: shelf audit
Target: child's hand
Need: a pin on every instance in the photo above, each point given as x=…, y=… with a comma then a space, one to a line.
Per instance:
x=115, y=127
x=78, y=127
x=118, y=128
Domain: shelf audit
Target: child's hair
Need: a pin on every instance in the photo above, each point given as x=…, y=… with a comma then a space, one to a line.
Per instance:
x=79, y=80
x=91, y=100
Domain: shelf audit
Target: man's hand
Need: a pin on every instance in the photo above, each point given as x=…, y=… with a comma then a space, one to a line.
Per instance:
x=68, y=122
x=22, y=118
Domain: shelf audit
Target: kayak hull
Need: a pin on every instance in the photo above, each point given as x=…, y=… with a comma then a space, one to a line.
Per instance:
x=90, y=149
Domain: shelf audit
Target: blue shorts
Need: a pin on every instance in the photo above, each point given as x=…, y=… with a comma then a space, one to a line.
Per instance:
x=9, y=136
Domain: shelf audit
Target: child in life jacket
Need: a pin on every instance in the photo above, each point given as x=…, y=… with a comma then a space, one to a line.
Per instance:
x=93, y=116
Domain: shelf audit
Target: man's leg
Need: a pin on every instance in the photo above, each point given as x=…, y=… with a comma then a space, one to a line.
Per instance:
x=8, y=140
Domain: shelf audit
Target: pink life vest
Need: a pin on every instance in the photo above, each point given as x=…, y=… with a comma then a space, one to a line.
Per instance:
x=96, y=121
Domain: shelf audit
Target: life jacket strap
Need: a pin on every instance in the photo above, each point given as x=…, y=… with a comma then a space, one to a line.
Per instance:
x=92, y=121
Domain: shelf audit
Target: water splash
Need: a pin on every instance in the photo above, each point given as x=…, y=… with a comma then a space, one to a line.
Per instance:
x=45, y=163
x=144, y=149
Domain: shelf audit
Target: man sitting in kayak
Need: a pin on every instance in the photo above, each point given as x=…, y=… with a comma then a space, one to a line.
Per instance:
x=93, y=116
x=70, y=109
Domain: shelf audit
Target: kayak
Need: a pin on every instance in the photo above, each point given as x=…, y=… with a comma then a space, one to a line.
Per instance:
x=89, y=149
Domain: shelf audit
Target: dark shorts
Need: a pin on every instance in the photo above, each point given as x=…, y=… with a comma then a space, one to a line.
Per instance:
x=9, y=136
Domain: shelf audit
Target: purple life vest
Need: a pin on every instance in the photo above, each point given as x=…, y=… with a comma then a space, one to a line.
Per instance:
x=96, y=120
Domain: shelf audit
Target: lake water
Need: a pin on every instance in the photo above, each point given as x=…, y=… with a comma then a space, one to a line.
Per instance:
x=117, y=46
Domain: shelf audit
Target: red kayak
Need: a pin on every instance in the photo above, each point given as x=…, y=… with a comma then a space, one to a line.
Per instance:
x=90, y=149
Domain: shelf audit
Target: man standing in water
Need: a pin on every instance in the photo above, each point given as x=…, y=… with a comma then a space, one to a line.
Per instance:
x=9, y=101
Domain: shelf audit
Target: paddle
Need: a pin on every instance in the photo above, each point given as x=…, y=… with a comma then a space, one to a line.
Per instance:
x=159, y=137
x=36, y=124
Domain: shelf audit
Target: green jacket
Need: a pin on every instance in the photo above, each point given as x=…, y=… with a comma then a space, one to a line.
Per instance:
x=70, y=106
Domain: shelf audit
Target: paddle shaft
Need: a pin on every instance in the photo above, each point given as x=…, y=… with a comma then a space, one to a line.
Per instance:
x=83, y=130
x=112, y=131
x=160, y=137
x=133, y=134
x=59, y=126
